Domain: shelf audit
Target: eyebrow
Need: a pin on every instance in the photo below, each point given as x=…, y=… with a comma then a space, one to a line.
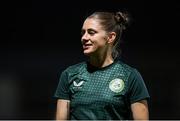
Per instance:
x=90, y=29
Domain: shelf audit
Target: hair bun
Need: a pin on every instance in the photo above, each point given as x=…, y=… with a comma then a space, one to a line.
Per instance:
x=122, y=19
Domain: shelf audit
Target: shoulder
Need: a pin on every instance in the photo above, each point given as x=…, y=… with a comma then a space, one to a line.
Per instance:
x=75, y=68
x=126, y=67
x=130, y=71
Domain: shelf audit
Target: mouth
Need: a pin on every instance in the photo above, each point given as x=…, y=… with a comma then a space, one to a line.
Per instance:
x=86, y=46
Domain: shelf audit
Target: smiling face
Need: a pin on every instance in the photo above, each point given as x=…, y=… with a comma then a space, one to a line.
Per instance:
x=94, y=38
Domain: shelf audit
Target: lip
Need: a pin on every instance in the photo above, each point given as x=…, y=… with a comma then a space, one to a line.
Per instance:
x=86, y=46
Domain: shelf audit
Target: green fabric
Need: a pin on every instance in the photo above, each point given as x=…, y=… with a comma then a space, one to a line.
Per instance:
x=101, y=94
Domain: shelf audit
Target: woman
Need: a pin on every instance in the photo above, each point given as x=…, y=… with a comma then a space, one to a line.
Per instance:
x=103, y=88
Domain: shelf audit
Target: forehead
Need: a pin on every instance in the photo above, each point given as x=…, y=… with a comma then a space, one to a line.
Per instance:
x=92, y=23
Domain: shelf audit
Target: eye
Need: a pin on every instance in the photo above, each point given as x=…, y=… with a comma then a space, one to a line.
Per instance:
x=82, y=32
x=91, y=32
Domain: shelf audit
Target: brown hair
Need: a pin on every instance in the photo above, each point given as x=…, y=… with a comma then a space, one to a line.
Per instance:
x=113, y=22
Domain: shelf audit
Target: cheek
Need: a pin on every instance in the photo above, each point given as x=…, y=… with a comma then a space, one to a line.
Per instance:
x=102, y=41
x=99, y=41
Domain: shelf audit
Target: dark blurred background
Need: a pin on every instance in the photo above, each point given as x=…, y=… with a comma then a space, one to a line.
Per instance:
x=41, y=38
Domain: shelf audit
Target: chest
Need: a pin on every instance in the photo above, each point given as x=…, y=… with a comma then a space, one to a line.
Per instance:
x=98, y=89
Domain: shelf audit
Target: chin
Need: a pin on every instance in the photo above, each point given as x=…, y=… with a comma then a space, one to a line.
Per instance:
x=87, y=53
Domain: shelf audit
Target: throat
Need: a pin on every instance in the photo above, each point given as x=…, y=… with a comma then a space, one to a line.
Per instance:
x=101, y=63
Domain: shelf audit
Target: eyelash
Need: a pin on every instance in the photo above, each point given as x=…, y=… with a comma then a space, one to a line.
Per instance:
x=91, y=33
x=82, y=33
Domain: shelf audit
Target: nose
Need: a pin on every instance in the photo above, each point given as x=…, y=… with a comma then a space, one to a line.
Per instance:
x=85, y=38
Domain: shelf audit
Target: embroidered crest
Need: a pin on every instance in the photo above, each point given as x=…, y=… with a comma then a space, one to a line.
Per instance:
x=116, y=85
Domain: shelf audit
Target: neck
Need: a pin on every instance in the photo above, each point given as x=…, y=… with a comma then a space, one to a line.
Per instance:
x=101, y=60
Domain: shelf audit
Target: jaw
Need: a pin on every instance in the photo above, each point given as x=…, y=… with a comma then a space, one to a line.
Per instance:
x=87, y=52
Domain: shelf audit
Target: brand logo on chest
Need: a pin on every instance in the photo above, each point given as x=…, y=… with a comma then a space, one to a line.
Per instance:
x=78, y=84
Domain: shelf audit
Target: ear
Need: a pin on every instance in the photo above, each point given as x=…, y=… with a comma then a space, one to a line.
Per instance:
x=111, y=37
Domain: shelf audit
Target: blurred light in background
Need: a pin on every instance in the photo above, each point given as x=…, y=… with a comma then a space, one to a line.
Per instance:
x=9, y=97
